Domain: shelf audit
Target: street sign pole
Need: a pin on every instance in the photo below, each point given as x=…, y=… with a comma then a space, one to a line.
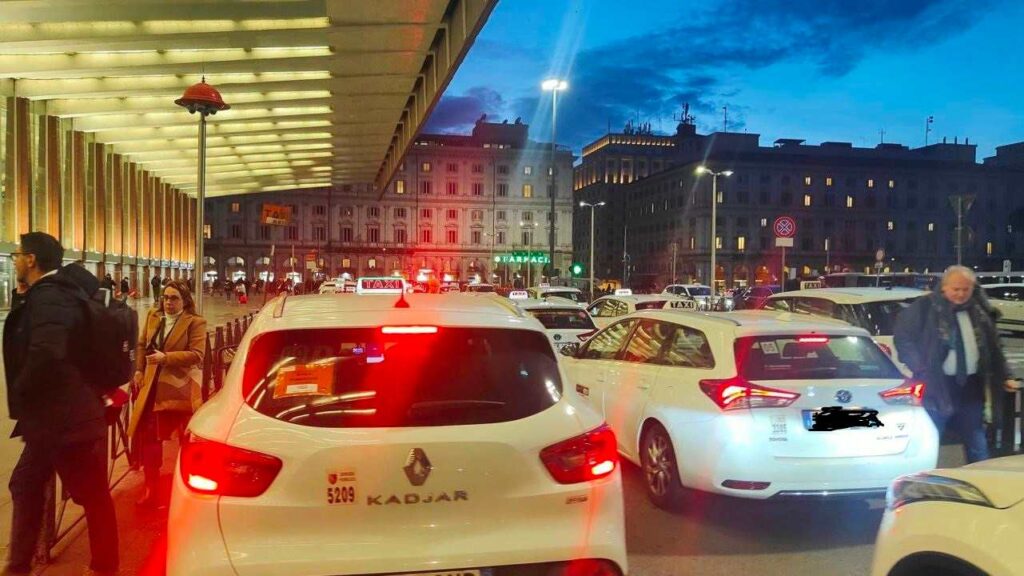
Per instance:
x=782, y=271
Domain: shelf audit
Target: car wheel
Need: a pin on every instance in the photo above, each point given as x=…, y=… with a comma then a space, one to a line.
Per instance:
x=661, y=472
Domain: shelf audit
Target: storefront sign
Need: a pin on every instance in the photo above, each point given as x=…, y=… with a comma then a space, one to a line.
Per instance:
x=523, y=258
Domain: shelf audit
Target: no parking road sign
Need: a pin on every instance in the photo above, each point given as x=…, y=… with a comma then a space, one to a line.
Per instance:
x=785, y=227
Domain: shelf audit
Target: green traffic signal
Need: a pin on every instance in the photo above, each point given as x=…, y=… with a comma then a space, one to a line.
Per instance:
x=577, y=269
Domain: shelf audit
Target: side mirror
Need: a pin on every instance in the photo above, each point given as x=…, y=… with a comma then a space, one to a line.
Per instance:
x=570, y=349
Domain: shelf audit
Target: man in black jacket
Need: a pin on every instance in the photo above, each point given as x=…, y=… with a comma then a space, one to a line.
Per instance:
x=949, y=341
x=156, y=284
x=59, y=415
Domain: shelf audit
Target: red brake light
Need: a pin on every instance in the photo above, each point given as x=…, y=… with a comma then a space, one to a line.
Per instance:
x=408, y=330
x=910, y=393
x=584, y=336
x=812, y=339
x=209, y=467
x=586, y=457
x=737, y=393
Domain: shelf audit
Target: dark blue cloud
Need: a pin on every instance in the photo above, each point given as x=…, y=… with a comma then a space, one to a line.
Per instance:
x=691, y=60
x=456, y=114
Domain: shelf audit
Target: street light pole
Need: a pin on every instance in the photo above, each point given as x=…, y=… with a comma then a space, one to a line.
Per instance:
x=554, y=85
x=204, y=99
x=591, y=206
x=714, y=217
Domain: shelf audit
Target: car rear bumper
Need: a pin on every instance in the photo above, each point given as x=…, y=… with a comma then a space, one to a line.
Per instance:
x=529, y=545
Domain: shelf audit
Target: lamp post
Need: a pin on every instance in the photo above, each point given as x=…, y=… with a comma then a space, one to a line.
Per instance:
x=714, y=218
x=553, y=85
x=591, y=206
x=204, y=99
x=529, y=249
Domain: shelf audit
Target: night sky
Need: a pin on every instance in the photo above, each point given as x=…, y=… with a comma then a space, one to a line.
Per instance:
x=821, y=70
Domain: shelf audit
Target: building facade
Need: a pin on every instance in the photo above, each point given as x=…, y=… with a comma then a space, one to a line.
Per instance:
x=849, y=203
x=465, y=207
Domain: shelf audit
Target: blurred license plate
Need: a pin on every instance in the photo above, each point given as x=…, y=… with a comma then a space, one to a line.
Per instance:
x=835, y=418
x=485, y=572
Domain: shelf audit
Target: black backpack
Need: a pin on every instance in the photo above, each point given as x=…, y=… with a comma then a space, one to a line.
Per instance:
x=112, y=330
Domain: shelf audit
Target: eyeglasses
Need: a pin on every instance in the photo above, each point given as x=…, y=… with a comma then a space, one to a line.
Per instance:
x=13, y=255
x=172, y=298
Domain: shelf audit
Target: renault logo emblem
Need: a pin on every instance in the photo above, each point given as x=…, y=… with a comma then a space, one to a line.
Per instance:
x=843, y=396
x=417, y=467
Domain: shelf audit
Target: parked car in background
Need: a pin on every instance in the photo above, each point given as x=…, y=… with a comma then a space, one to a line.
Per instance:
x=753, y=297
x=1009, y=300
x=607, y=309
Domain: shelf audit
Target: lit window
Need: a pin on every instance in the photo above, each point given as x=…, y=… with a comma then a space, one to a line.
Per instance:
x=527, y=190
x=425, y=167
x=741, y=243
x=807, y=199
x=718, y=242
x=371, y=263
x=527, y=170
x=807, y=180
x=207, y=231
x=849, y=201
x=764, y=222
x=236, y=207
x=721, y=196
x=988, y=248
x=693, y=242
x=892, y=184
x=871, y=183
x=399, y=186
x=931, y=226
x=890, y=225
x=828, y=181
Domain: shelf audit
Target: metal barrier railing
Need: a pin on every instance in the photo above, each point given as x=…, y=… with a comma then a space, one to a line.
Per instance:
x=225, y=337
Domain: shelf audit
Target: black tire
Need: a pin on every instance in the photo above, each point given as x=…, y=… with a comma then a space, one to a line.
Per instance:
x=660, y=468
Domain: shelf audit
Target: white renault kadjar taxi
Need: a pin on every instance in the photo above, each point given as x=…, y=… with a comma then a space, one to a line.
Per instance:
x=381, y=434
x=607, y=309
x=965, y=521
x=749, y=405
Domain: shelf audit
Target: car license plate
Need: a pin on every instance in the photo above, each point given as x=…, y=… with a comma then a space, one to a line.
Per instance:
x=836, y=418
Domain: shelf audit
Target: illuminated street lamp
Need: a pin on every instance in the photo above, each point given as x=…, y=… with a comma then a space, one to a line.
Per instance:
x=553, y=85
x=204, y=99
x=714, y=217
x=591, y=206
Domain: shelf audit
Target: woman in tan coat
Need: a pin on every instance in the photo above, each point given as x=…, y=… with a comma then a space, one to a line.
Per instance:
x=168, y=373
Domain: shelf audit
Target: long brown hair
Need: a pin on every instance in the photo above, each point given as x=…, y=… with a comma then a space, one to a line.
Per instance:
x=188, y=304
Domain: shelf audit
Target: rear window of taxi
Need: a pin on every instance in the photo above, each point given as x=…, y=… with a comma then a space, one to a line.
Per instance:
x=815, y=357
x=400, y=376
x=565, y=319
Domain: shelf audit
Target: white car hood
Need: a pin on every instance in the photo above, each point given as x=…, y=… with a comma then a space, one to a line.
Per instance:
x=1000, y=479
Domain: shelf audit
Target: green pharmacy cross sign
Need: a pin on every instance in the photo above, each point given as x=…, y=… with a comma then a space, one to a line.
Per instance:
x=523, y=258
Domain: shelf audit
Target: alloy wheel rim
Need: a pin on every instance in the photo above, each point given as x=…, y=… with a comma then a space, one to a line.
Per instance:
x=659, y=465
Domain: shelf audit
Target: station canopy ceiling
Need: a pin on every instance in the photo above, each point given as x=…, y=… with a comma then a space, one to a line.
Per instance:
x=321, y=91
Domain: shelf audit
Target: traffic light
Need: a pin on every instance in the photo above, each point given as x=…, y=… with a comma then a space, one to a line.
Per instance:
x=577, y=269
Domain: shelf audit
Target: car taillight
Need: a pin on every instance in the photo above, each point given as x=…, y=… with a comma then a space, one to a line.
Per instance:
x=408, y=329
x=737, y=393
x=910, y=393
x=885, y=348
x=584, y=336
x=583, y=458
x=218, y=469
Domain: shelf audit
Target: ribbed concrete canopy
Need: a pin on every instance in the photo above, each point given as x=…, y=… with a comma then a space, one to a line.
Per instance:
x=321, y=91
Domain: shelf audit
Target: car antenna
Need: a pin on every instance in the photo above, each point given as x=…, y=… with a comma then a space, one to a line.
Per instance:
x=402, y=302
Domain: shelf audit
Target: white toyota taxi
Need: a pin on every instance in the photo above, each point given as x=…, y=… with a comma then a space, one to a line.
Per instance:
x=390, y=434
x=751, y=405
x=566, y=324
x=607, y=309
x=966, y=521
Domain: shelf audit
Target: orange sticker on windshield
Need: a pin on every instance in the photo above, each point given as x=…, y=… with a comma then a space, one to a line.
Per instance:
x=304, y=380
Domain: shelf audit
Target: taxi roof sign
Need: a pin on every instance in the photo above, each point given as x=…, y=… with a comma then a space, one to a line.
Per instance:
x=544, y=285
x=519, y=295
x=623, y=292
x=383, y=285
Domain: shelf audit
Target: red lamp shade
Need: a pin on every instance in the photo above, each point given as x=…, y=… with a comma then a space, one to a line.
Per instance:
x=202, y=98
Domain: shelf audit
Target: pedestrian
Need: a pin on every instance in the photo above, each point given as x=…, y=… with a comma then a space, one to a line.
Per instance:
x=107, y=283
x=155, y=284
x=59, y=414
x=949, y=341
x=125, y=286
x=241, y=292
x=166, y=384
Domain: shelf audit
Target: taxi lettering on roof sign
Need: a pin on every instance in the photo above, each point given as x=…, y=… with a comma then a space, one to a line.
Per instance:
x=518, y=295
x=544, y=285
x=387, y=285
x=623, y=292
